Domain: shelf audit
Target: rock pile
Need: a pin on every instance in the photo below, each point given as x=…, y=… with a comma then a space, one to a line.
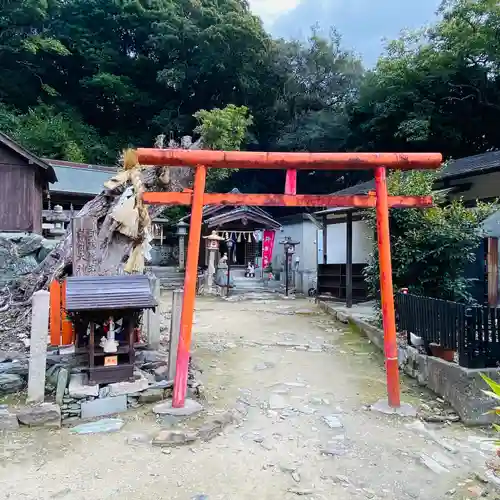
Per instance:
x=68, y=384
x=20, y=253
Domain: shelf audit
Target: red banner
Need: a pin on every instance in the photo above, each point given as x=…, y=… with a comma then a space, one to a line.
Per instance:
x=267, y=247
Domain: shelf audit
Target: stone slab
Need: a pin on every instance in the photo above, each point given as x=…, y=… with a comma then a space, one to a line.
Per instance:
x=10, y=383
x=190, y=408
x=125, y=388
x=174, y=438
x=152, y=395
x=62, y=383
x=78, y=387
x=14, y=367
x=8, y=421
x=104, y=425
x=405, y=410
x=103, y=407
x=45, y=414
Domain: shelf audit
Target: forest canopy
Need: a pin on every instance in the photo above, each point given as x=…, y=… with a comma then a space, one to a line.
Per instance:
x=82, y=79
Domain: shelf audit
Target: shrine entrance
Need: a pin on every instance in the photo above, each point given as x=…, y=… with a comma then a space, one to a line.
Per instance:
x=291, y=162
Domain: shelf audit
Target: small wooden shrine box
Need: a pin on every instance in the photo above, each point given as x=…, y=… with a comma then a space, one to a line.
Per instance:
x=91, y=301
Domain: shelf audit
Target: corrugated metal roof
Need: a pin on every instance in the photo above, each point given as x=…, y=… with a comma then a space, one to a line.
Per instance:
x=128, y=291
x=79, y=180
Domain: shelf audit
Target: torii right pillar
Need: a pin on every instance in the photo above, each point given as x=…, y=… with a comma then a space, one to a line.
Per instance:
x=386, y=288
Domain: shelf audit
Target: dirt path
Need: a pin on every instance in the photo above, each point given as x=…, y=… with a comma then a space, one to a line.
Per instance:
x=248, y=362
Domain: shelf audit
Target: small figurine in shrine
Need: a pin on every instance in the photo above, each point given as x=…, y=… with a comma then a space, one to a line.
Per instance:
x=250, y=272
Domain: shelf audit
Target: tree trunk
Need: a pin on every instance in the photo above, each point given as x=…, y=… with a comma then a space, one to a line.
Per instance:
x=113, y=251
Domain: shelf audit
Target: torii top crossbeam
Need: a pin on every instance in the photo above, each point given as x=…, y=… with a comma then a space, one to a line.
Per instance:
x=296, y=161
x=291, y=162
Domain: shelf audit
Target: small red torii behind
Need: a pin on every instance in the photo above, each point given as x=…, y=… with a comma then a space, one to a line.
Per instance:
x=291, y=162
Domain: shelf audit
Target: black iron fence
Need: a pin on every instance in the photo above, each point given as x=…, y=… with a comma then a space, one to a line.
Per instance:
x=473, y=332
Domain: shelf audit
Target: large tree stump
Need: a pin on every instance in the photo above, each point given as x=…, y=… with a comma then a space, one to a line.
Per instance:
x=113, y=249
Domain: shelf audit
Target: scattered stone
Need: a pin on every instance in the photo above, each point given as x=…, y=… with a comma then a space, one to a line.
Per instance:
x=368, y=493
x=333, y=422
x=103, y=407
x=10, y=383
x=62, y=382
x=481, y=478
x=301, y=491
x=451, y=492
x=305, y=311
x=296, y=476
x=152, y=395
x=342, y=479
x=161, y=373
x=432, y=464
x=78, y=387
x=277, y=402
x=200, y=497
x=46, y=414
x=166, y=451
x=214, y=427
x=104, y=425
x=294, y=345
x=138, y=439
x=8, y=421
x=288, y=468
x=332, y=451
x=476, y=491
x=174, y=438
x=190, y=408
x=263, y=366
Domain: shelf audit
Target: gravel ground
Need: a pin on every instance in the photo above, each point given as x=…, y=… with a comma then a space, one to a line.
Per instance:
x=303, y=383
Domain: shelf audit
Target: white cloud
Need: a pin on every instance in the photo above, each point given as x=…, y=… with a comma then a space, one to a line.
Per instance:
x=269, y=10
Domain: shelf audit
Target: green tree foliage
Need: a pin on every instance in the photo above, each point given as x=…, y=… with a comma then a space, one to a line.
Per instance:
x=223, y=129
x=438, y=89
x=431, y=248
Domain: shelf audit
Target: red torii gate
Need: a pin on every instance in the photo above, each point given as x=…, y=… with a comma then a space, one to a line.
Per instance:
x=291, y=162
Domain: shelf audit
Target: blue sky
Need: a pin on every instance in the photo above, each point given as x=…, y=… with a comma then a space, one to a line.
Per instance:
x=363, y=24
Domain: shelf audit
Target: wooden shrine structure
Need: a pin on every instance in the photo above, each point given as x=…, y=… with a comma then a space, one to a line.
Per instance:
x=239, y=223
x=291, y=162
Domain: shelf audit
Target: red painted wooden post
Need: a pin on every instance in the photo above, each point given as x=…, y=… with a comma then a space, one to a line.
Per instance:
x=55, y=313
x=291, y=182
x=387, y=295
x=190, y=280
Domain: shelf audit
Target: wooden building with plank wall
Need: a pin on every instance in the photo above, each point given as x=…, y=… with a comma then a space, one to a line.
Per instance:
x=23, y=180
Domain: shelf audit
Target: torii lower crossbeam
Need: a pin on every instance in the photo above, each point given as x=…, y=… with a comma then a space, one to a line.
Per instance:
x=290, y=162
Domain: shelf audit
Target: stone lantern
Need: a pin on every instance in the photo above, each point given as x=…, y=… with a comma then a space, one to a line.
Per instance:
x=212, y=246
x=289, y=247
x=182, y=231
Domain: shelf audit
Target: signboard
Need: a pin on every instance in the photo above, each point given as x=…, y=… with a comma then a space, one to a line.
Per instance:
x=111, y=361
x=267, y=247
x=84, y=233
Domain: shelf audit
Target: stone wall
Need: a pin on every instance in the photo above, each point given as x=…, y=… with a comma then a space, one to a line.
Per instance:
x=460, y=387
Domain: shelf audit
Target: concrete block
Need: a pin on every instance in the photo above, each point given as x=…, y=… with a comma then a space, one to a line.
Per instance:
x=78, y=387
x=125, y=388
x=103, y=407
x=461, y=387
x=38, y=346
